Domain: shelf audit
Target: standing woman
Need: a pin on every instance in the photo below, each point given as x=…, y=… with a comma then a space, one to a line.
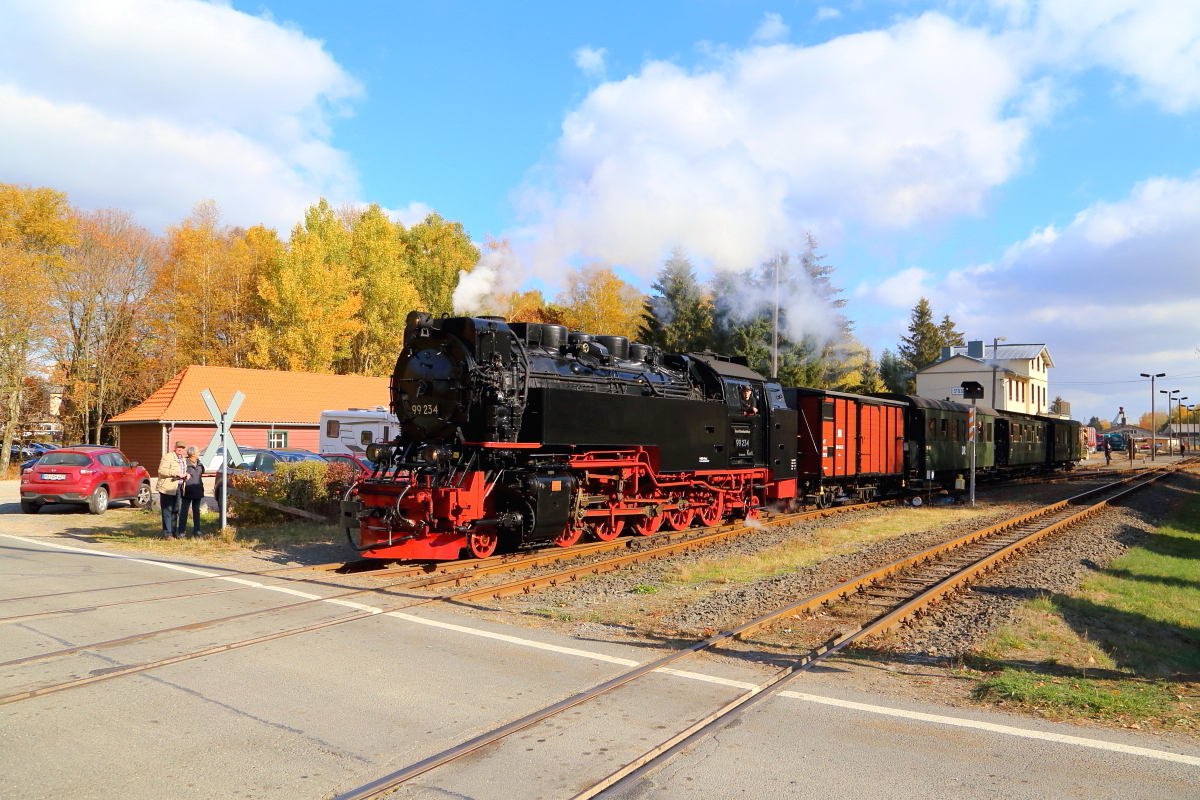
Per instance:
x=193, y=493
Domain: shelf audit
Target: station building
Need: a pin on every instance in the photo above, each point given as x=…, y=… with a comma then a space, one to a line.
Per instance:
x=1015, y=377
x=281, y=409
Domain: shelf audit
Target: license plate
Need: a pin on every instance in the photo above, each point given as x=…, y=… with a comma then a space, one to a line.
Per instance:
x=52, y=476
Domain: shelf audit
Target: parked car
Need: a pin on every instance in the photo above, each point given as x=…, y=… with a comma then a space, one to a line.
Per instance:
x=356, y=463
x=20, y=451
x=89, y=475
x=40, y=447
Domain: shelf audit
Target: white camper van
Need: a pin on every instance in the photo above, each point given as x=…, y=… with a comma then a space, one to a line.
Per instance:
x=350, y=431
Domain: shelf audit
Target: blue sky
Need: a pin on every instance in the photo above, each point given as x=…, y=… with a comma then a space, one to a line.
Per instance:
x=1028, y=165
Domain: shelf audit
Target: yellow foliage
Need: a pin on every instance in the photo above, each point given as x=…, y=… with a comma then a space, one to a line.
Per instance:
x=205, y=289
x=308, y=306
x=597, y=301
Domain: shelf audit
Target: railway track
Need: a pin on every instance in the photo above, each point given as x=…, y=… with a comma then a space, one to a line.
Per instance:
x=449, y=573
x=898, y=593
x=432, y=574
x=454, y=573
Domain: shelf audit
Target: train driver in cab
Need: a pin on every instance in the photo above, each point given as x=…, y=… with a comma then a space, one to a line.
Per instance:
x=747, y=395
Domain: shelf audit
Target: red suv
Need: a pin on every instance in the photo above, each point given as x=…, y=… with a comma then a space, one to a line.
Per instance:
x=84, y=474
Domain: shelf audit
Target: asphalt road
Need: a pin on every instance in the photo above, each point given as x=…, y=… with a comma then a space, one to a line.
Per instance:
x=313, y=715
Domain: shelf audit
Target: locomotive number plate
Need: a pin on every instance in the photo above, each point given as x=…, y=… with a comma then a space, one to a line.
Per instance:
x=424, y=409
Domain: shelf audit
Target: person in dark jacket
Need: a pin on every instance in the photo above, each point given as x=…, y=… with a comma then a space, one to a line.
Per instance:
x=1107, y=451
x=193, y=494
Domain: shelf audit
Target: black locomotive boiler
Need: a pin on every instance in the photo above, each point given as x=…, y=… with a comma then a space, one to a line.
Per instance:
x=520, y=434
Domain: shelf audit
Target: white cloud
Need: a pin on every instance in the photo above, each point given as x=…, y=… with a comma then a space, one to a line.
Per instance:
x=771, y=29
x=151, y=105
x=411, y=214
x=891, y=128
x=1113, y=294
x=825, y=12
x=590, y=61
x=1156, y=43
x=901, y=290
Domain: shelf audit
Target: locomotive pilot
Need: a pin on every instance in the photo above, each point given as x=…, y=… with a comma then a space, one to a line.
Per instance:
x=748, y=409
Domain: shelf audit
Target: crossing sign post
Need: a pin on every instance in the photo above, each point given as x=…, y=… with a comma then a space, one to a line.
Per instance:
x=974, y=391
x=222, y=443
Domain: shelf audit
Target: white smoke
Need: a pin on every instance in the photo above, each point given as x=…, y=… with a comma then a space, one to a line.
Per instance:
x=497, y=272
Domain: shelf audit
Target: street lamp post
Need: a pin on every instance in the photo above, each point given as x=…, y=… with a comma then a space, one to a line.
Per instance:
x=1180, y=406
x=1152, y=377
x=1168, y=394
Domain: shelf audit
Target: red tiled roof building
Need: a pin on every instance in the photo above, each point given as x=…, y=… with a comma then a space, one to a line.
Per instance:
x=281, y=409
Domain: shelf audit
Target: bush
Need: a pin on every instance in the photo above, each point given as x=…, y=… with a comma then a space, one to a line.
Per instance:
x=313, y=486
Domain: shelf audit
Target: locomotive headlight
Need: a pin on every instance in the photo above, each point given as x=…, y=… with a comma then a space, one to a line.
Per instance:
x=377, y=452
x=433, y=454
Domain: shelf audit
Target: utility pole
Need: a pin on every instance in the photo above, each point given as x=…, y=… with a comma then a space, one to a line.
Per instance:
x=775, y=325
x=995, y=367
x=1152, y=377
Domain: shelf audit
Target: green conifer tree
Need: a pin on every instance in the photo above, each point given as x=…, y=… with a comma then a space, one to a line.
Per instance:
x=923, y=344
x=678, y=317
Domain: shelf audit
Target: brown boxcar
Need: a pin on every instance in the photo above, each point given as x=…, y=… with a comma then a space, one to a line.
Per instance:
x=848, y=445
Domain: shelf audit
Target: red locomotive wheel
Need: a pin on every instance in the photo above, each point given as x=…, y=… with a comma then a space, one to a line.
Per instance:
x=570, y=535
x=648, y=525
x=679, y=518
x=482, y=545
x=713, y=511
x=607, y=530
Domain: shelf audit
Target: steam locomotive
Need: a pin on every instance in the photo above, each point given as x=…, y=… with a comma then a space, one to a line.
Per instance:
x=515, y=435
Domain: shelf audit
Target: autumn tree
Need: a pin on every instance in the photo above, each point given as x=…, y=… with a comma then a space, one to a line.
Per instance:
x=205, y=289
x=307, y=301
x=678, y=317
x=436, y=250
x=1153, y=422
x=597, y=301
x=1097, y=423
x=36, y=226
x=382, y=278
x=528, y=306
x=102, y=333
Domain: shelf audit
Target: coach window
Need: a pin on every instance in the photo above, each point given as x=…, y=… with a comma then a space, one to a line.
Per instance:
x=333, y=429
x=989, y=431
x=366, y=437
x=944, y=437
x=932, y=429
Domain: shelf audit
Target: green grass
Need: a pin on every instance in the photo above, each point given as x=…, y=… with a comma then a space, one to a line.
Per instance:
x=1077, y=695
x=143, y=531
x=1125, y=646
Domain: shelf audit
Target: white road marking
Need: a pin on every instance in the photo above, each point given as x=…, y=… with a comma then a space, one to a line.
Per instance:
x=513, y=639
x=1008, y=730
x=359, y=606
x=242, y=581
x=938, y=719
x=295, y=592
x=112, y=555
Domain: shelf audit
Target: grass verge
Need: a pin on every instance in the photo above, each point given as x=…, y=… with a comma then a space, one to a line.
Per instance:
x=1124, y=647
x=144, y=532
